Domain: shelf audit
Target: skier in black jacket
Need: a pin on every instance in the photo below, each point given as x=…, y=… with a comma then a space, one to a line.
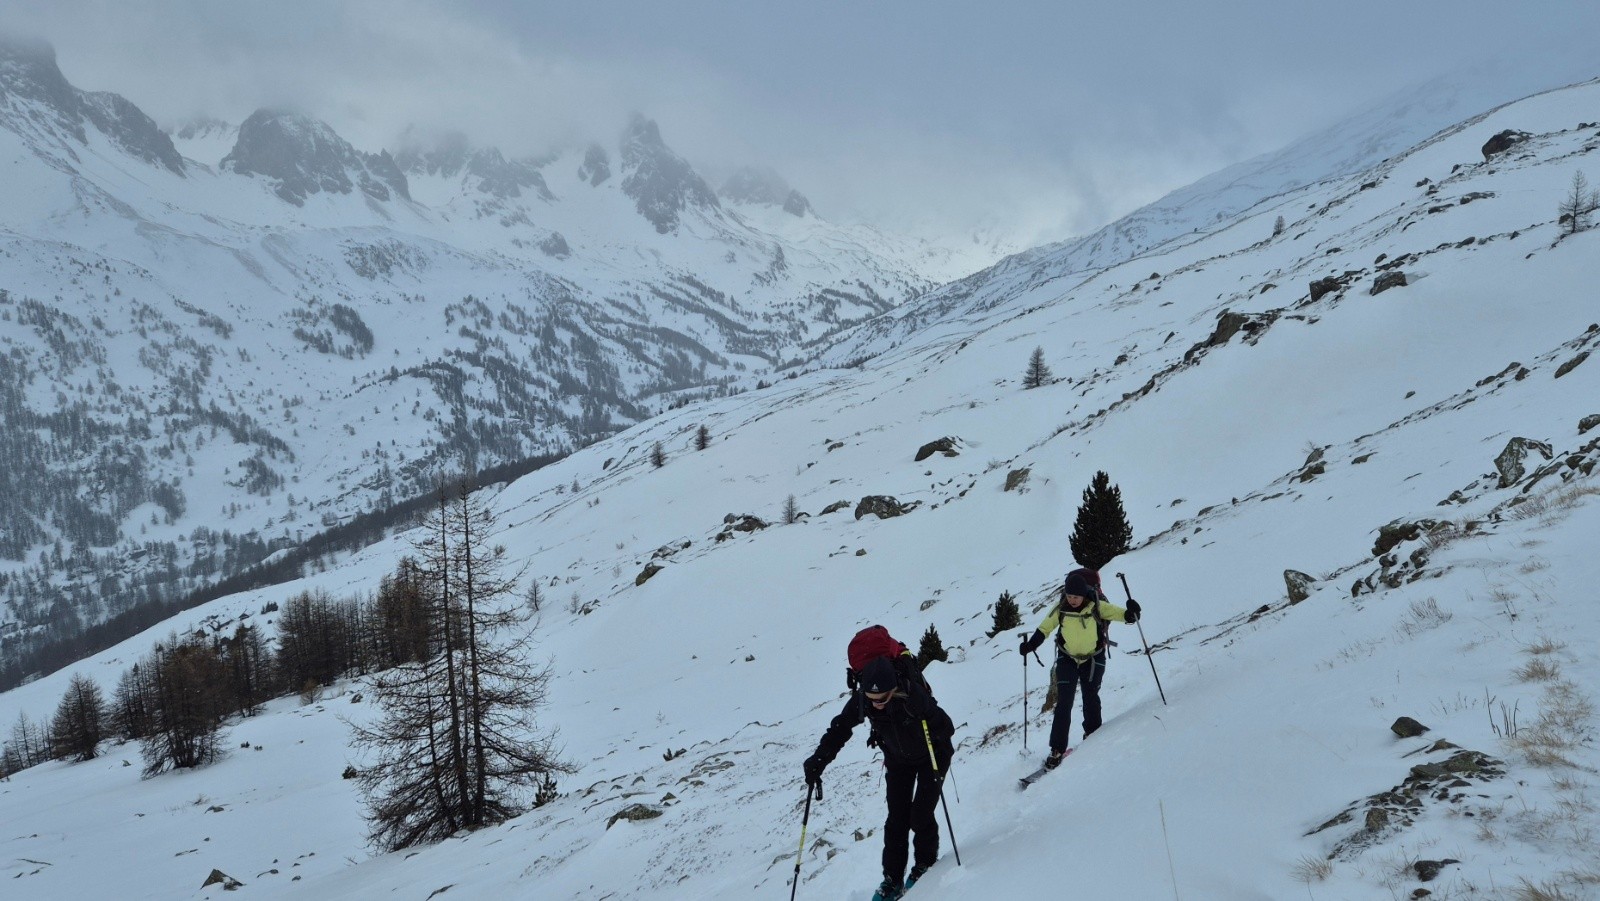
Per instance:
x=907, y=725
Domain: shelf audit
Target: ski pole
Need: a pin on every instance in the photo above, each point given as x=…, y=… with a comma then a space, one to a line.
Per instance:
x=934, y=758
x=1024, y=637
x=1146, y=644
x=804, y=821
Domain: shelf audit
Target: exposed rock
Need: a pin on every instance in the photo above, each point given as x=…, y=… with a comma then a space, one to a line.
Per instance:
x=1581, y=462
x=305, y=157
x=1323, y=286
x=555, y=246
x=1017, y=478
x=482, y=168
x=946, y=446
x=1298, y=584
x=1406, y=727
x=635, y=813
x=1389, y=811
x=650, y=569
x=1571, y=364
x=1229, y=324
x=1512, y=460
x=1428, y=870
x=796, y=204
x=596, y=167
x=883, y=506
x=1392, y=279
x=1588, y=422
x=1504, y=141
x=218, y=877
x=1377, y=818
x=740, y=523
x=661, y=183
x=1401, y=530
x=28, y=71
x=667, y=550
x=834, y=507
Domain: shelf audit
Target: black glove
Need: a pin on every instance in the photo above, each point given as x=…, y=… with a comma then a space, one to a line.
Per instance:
x=1133, y=611
x=1023, y=650
x=814, y=770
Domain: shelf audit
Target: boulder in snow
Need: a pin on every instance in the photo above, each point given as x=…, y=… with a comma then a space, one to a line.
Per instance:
x=1512, y=461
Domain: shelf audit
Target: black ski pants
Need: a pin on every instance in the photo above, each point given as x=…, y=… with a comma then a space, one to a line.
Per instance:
x=913, y=797
x=1070, y=674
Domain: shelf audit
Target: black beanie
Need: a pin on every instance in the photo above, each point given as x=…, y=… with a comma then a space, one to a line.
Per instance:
x=878, y=675
x=1078, y=583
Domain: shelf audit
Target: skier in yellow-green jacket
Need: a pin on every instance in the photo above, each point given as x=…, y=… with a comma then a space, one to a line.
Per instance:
x=1079, y=622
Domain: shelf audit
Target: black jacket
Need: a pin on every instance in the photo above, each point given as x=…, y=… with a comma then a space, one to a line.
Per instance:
x=897, y=728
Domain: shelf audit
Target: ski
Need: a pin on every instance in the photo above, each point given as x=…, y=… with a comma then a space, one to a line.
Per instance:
x=1036, y=775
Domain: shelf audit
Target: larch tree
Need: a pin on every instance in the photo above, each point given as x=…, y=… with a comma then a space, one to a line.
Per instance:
x=456, y=745
x=1037, y=374
x=81, y=720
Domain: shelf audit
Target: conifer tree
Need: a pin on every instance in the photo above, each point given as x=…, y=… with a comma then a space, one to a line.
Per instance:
x=931, y=649
x=791, y=511
x=658, y=455
x=1006, y=614
x=702, y=438
x=1037, y=374
x=80, y=721
x=1101, y=531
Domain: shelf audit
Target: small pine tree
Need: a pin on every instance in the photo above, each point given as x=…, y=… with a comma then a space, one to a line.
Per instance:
x=1038, y=374
x=1277, y=227
x=931, y=649
x=658, y=455
x=1006, y=614
x=702, y=438
x=791, y=511
x=1101, y=531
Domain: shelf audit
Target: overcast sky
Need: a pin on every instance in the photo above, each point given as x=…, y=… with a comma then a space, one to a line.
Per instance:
x=1044, y=117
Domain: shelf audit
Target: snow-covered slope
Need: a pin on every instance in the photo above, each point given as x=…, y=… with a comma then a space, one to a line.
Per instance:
x=1339, y=151
x=1264, y=402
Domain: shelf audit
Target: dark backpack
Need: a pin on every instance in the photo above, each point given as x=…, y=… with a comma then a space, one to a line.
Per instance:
x=873, y=642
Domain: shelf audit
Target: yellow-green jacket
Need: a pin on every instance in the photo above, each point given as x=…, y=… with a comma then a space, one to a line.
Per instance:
x=1080, y=631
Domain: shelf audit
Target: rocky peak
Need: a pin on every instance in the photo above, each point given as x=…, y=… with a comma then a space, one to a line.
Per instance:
x=764, y=187
x=453, y=156
x=661, y=183
x=28, y=71
x=306, y=156
x=596, y=166
x=33, y=88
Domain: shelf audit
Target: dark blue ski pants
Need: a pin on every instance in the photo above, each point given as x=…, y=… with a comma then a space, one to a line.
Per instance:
x=1070, y=674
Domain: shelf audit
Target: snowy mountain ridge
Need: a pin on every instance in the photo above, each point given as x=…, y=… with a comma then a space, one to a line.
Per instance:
x=1358, y=455
x=199, y=347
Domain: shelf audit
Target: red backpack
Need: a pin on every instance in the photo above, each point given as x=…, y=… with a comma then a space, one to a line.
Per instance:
x=873, y=642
